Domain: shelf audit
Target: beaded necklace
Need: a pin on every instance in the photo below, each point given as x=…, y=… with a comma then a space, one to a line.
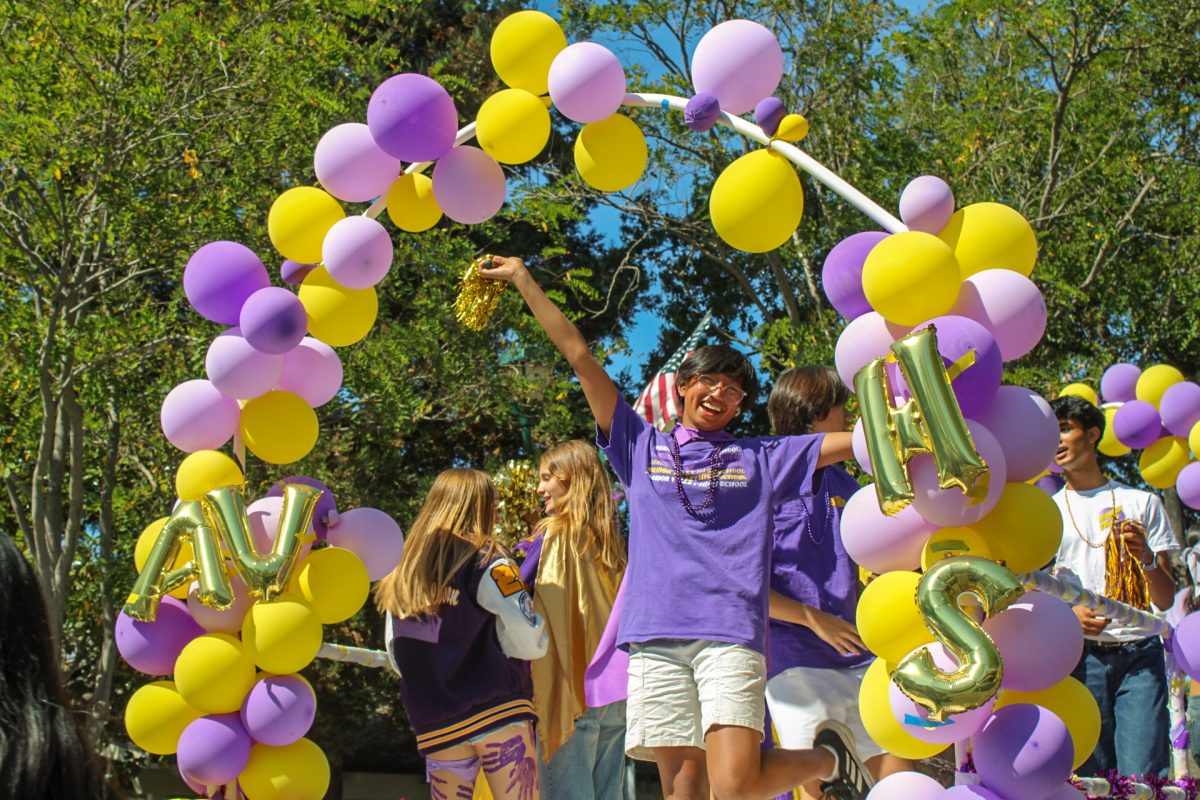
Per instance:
x=716, y=466
x=827, y=500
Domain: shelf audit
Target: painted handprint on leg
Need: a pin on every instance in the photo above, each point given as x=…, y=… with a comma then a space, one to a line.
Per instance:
x=522, y=770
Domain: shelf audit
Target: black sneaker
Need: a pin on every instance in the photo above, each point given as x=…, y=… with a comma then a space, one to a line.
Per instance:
x=852, y=781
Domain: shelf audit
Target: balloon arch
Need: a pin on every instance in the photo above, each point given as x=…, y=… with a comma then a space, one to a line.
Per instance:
x=237, y=711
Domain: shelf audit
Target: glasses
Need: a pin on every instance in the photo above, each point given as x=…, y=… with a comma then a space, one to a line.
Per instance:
x=730, y=394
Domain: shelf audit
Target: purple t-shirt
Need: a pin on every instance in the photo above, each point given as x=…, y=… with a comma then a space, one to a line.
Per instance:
x=701, y=578
x=810, y=564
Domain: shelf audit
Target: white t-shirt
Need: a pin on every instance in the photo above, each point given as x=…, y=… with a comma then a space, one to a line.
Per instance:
x=1083, y=565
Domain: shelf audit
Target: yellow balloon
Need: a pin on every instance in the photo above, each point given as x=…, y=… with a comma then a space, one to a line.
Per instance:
x=336, y=315
x=156, y=716
x=203, y=471
x=991, y=236
x=297, y=771
x=411, y=204
x=1161, y=462
x=1154, y=381
x=1024, y=529
x=1110, y=445
x=1194, y=440
x=213, y=673
x=299, y=220
x=888, y=620
x=279, y=427
x=334, y=581
x=1073, y=704
x=757, y=202
x=949, y=542
x=876, y=712
x=523, y=47
x=512, y=126
x=145, y=543
x=792, y=128
x=611, y=154
x=282, y=636
x=910, y=277
x=1080, y=390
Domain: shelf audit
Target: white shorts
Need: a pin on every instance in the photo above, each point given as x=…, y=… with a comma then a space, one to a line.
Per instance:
x=679, y=688
x=801, y=698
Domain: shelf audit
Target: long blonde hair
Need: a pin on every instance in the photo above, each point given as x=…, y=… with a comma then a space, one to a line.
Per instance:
x=453, y=527
x=586, y=517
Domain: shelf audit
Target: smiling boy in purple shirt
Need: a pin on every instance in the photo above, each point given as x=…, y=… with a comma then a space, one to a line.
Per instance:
x=700, y=505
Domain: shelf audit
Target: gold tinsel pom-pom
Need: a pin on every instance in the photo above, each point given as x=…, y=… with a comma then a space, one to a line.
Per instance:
x=516, y=484
x=477, y=296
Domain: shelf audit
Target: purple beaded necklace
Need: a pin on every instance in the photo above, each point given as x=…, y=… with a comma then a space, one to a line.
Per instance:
x=716, y=466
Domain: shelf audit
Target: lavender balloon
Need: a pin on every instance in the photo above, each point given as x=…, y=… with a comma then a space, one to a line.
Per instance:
x=238, y=369
x=587, y=82
x=1137, y=424
x=1185, y=645
x=412, y=118
x=373, y=536
x=228, y=620
x=358, y=252
x=739, y=62
x=326, y=506
x=293, y=272
x=926, y=204
x=312, y=370
x=878, y=542
x=866, y=338
x=977, y=384
x=279, y=709
x=1119, y=383
x=1024, y=751
x=197, y=416
x=265, y=515
x=469, y=185
x=701, y=112
x=214, y=749
x=1040, y=640
x=1026, y=428
x=273, y=320
x=841, y=277
x=1009, y=305
x=768, y=113
x=220, y=276
x=969, y=792
x=914, y=719
x=152, y=647
x=906, y=786
x=1180, y=408
x=1188, y=485
x=351, y=166
x=950, y=507
x=858, y=442
x=1050, y=484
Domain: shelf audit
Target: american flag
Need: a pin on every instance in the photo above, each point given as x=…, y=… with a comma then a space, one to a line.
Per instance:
x=659, y=403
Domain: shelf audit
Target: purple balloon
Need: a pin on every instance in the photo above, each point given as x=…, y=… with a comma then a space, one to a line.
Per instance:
x=238, y=369
x=220, y=276
x=1026, y=428
x=1185, y=645
x=412, y=118
x=293, y=272
x=1188, y=485
x=926, y=204
x=1009, y=305
x=1024, y=751
x=768, y=113
x=326, y=506
x=1040, y=640
x=273, y=320
x=351, y=166
x=1050, y=484
x=969, y=792
x=878, y=542
x=311, y=370
x=701, y=112
x=214, y=749
x=841, y=277
x=1137, y=424
x=906, y=786
x=914, y=719
x=279, y=709
x=358, y=252
x=197, y=416
x=858, y=442
x=196, y=786
x=1119, y=383
x=227, y=620
x=950, y=507
x=866, y=338
x=1180, y=408
x=469, y=185
x=587, y=82
x=977, y=384
x=739, y=62
x=373, y=536
x=1066, y=792
x=152, y=647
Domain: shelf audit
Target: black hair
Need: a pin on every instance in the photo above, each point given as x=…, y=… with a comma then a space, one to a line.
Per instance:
x=43, y=752
x=1070, y=407
x=724, y=359
x=802, y=396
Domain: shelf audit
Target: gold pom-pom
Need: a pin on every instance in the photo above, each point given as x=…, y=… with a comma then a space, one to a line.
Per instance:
x=477, y=296
x=517, y=509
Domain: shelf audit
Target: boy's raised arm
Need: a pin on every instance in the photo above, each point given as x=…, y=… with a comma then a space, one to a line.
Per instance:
x=598, y=388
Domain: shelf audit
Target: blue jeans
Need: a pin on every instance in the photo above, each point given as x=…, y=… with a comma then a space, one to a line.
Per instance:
x=591, y=765
x=1130, y=686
